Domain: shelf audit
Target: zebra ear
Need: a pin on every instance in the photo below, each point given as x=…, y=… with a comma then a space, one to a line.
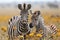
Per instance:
x=28, y=6
x=20, y=6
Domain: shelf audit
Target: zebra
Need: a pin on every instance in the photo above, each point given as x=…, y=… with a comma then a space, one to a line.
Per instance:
x=38, y=21
x=18, y=25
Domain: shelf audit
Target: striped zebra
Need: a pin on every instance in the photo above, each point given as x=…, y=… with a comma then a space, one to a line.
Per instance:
x=38, y=21
x=18, y=25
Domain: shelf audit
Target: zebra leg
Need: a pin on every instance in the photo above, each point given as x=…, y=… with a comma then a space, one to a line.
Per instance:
x=10, y=34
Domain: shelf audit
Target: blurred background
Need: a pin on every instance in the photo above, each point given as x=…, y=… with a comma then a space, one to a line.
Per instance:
x=50, y=11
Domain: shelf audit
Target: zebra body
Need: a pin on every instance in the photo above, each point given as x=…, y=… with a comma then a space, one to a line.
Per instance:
x=18, y=25
x=15, y=22
x=38, y=21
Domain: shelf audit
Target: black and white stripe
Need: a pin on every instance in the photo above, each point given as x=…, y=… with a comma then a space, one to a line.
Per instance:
x=21, y=22
x=21, y=27
x=11, y=23
x=53, y=28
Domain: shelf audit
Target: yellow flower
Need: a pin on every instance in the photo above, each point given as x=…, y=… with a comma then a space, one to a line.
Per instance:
x=31, y=34
x=39, y=35
x=4, y=29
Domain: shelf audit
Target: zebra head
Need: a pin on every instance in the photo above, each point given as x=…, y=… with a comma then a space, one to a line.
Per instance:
x=35, y=14
x=24, y=11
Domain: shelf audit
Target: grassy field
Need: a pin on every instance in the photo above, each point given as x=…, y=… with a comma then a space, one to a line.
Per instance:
x=51, y=16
